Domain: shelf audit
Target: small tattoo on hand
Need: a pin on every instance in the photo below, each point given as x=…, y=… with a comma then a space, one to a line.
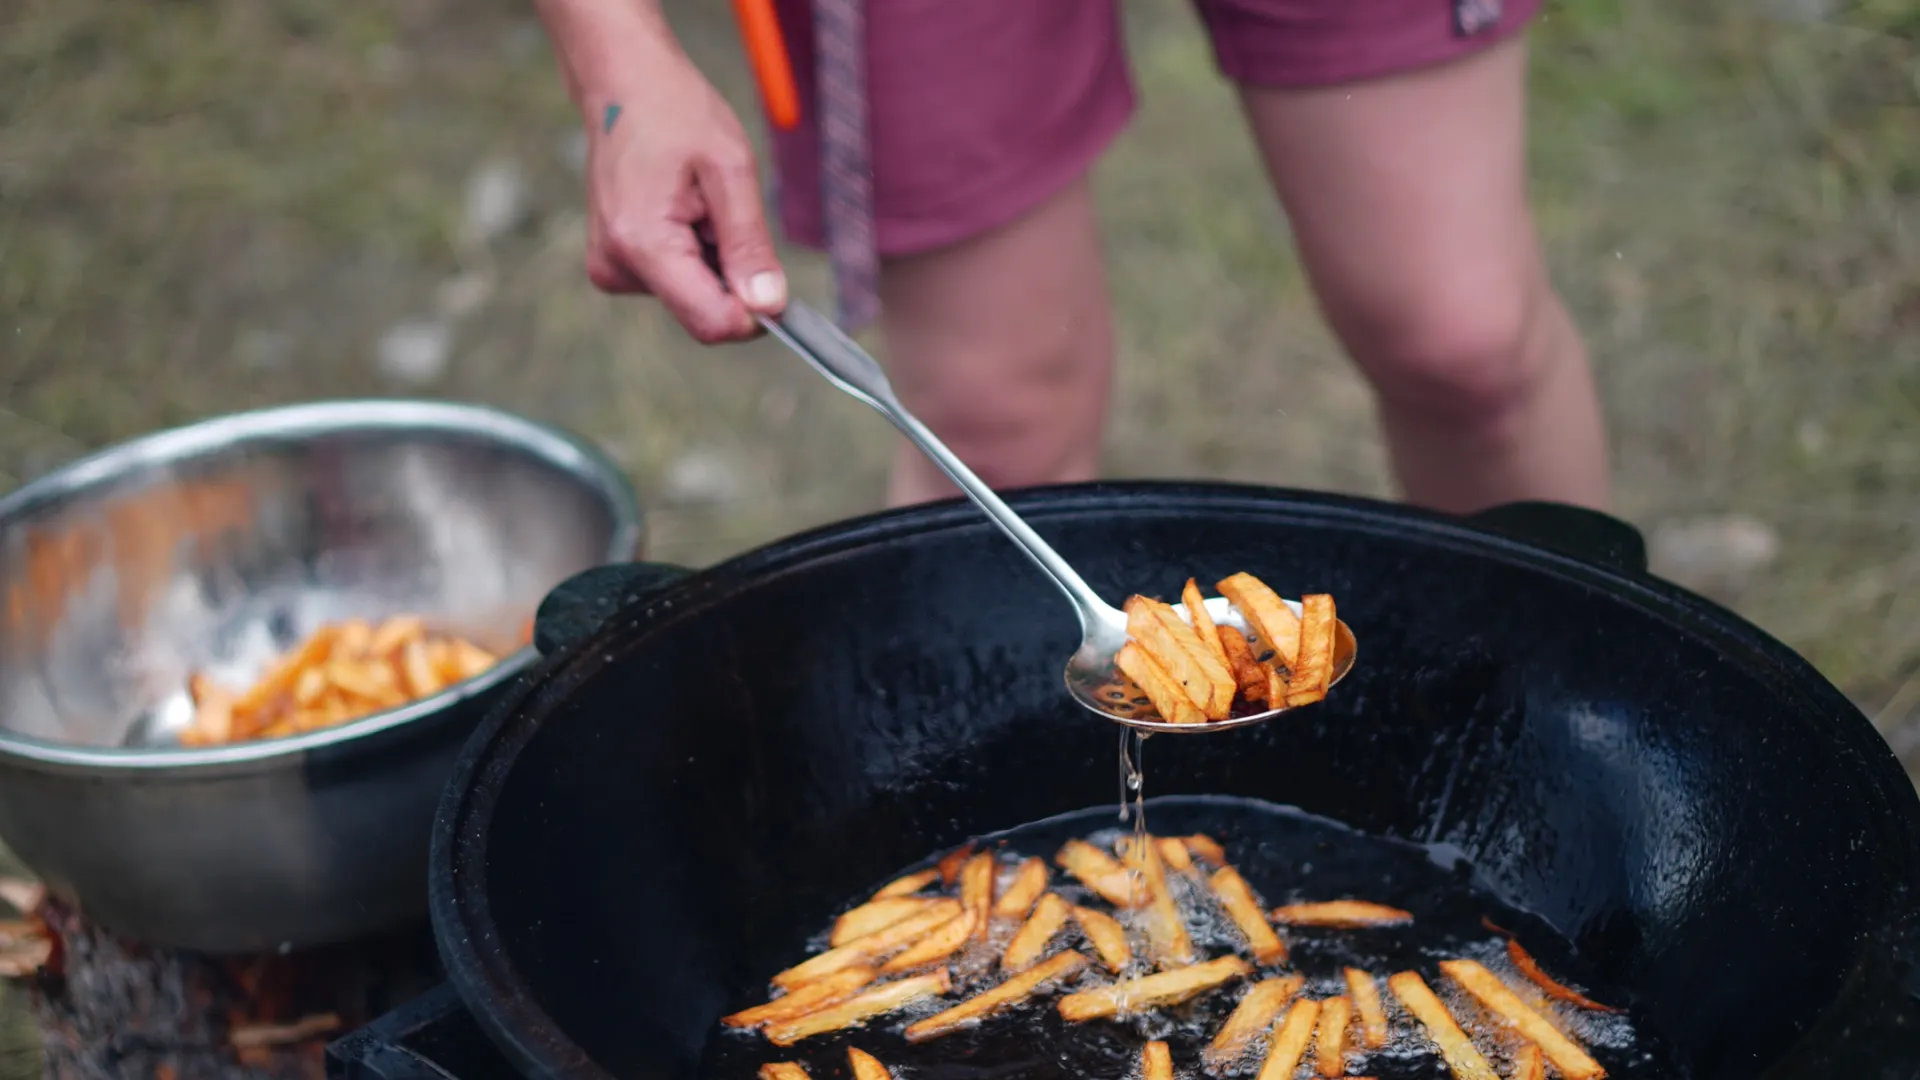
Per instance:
x=606, y=125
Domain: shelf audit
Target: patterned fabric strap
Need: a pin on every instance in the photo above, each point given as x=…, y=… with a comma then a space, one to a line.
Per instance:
x=846, y=167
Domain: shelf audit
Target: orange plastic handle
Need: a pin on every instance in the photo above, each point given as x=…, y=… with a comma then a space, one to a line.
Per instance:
x=767, y=53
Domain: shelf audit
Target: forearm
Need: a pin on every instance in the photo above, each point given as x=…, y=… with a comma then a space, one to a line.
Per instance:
x=608, y=49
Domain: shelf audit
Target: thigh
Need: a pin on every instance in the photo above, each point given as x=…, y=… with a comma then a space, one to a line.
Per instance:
x=1407, y=197
x=978, y=112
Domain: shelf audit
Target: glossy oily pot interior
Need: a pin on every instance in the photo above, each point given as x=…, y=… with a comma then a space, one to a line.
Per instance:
x=638, y=841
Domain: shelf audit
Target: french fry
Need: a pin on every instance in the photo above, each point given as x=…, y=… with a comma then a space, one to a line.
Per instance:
x=1098, y=871
x=908, y=885
x=1156, y=1061
x=1152, y=991
x=1365, y=993
x=1250, y=1019
x=950, y=863
x=784, y=1070
x=1165, y=636
x=1108, y=937
x=1308, y=679
x=873, y=947
x=1263, y=609
x=1169, y=698
x=1167, y=937
x=865, y=1066
x=1028, y=883
x=1174, y=853
x=340, y=672
x=1343, y=914
x=1202, y=623
x=945, y=940
x=1530, y=1064
x=1030, y=941
x=416, y=671
x=1276, y=686
x=858, y=1009
x=1529, y=967
x=1007, y=994
x=1486, y=987
x=875, y=916
x=1465, y=1062
x=1237, y=898
x=1206, y=849
x=1247, y=672
x=394, y=633
x=470, y=659
x=1330, y=1040
x=1290, y=1042
x=805, y=998
x=213, y=711
x=976, y=890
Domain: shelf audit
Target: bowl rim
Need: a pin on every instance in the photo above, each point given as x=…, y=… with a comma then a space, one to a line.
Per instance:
x=554, y=445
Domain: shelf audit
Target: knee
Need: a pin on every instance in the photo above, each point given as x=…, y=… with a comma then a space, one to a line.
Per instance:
x=1463, y=358
x=1017, y=417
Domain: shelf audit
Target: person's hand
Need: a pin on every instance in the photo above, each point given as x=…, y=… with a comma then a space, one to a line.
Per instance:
x=672, y=155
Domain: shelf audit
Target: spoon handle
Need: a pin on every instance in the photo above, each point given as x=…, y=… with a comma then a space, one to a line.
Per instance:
x=846, y=365
x=849, y=367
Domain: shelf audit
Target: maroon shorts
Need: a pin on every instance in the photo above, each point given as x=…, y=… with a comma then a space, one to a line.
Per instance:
x=980, y=110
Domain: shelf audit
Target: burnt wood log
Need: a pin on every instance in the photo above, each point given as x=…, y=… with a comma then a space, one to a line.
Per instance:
x=111, y=1009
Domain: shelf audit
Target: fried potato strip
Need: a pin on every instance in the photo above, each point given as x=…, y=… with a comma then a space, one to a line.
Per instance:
x=1167, y=937
x=1343, y=914
x=1250, y=1019
x=783, y=1070
x=1463, y=1060
x=1309, y=678
x=976, y=891
x=1290, y=1042
x=875, y=916
x=1152, y=991
x=1330, y=1038
x=1030, y=941
x=944, y=940
x=1162, y=688
x=1263, y=609
x=1237, y=898
x=908, y=885
x=1100, y=872
x=857, y=1010
x=1553, y=988
x=865, y=1066
x=1364, y=991
x=805, y=998
x=1177, y=648
x=1007, y=994
x=1108, y=937
x=875, y=946
x=1486, y=987
x=1027, y=885
x=1156, y=1061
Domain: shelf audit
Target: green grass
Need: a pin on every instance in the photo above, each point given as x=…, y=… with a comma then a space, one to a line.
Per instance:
x=218, y=205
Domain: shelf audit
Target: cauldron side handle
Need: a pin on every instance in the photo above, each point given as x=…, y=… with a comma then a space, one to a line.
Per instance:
x=1586, y=534
x=580, y=605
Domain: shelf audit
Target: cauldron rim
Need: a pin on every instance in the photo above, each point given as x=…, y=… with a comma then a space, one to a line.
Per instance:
x=471, y=945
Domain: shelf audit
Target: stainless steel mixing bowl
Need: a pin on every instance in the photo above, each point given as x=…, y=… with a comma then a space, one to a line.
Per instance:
x=214, y=547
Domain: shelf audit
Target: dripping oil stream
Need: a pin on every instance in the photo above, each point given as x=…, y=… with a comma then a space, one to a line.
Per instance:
x=1133, y=800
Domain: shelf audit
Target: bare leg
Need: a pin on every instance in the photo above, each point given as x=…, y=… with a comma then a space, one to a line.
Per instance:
x=1003, y=344
x=1407, y=196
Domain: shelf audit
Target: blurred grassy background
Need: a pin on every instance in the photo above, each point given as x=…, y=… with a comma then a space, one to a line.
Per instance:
x=214, y=204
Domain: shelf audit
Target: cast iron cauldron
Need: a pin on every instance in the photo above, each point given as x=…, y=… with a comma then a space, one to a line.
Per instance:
x=705, y=769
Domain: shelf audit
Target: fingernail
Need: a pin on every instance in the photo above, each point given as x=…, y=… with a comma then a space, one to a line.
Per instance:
x=767, y=289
